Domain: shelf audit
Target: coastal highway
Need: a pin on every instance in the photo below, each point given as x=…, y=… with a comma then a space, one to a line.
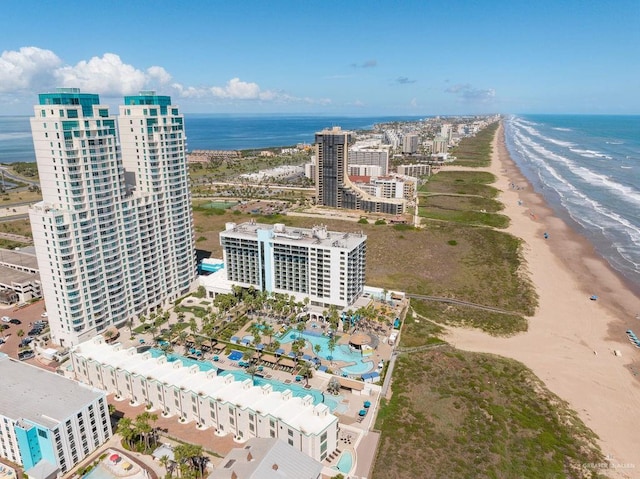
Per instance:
x=10, y=176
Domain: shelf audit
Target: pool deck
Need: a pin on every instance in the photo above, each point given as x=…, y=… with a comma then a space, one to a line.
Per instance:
x=355, y=432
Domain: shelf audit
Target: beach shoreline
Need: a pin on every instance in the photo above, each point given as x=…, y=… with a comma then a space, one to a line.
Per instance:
x=571, y=339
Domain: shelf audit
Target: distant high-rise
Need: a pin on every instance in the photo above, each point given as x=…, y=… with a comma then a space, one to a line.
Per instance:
x=114, y=232
x=333, y=187
x=410, y=143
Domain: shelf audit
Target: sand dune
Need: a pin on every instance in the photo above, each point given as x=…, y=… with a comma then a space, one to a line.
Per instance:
x=571, y=339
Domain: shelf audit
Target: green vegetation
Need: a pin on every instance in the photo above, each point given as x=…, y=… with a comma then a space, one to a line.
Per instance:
x=460, y=414
x=17, y=227
x=24, y=169
x=476, y=150
x=462, y=197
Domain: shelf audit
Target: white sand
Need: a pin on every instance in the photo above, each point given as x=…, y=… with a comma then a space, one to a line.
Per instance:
x=571, y=339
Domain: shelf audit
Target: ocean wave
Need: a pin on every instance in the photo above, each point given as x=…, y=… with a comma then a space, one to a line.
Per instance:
x=532, y=131
x=562, y=129
x=625, y=193
x=14, y=136
x=590, y=153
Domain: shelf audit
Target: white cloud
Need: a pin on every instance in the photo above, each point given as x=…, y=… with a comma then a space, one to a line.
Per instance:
x=32, y=69
x=467, y=92
x=414, y=103
x=158, y=74
x=27, y=68
x=107, y=75
x=238, y=90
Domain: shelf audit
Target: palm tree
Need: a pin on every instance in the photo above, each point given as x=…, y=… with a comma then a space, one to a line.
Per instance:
x=331, y=345
x=306, y=372
x=300, y=328
x=268, y=331
x=252, y=370
x=164, y=462
x=126, y=430
x=317, y=348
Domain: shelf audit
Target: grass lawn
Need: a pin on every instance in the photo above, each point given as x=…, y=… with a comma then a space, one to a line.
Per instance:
x=458, y=414
x=17, y=227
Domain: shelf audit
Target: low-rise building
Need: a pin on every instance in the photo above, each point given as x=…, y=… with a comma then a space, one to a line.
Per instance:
x=48, y=424
x=267, y=459
x=221, y=403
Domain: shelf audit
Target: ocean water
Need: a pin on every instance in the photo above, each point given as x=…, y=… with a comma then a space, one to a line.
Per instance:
x=588, y=170
x=210, y=132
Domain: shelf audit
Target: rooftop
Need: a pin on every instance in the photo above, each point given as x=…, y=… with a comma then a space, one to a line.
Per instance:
x=299, y=413
x=40, y=396
x=318, y=235
x=267, y=458
x=23, y=257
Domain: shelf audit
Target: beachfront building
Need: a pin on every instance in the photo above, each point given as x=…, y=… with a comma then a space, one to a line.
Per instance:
x=265, y=459
x=333, y=187
x=410, y=143
x=114, y=231
x=328, y=267
x=415, y=169
x=371, y=157
x=439, y=145
x=221, y=403
x=48, y=424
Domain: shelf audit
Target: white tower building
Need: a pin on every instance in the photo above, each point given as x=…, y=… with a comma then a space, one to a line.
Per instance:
x=113, y=234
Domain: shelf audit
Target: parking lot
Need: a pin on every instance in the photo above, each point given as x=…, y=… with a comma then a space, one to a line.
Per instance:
x=28, y=316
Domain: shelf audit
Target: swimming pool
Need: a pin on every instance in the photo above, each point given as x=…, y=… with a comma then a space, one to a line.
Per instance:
x=345, y=463
x=342, y=352
x=99, y=472
x=296, y=389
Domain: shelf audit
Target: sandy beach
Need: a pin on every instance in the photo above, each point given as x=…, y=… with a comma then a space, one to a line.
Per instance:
x=571, y=340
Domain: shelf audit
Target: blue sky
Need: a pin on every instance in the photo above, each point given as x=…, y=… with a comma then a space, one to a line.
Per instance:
x=358, y=58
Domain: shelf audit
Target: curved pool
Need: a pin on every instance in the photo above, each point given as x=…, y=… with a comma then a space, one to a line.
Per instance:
x=345, y=463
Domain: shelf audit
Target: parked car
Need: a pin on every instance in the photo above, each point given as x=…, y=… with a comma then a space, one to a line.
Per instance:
x=5, y=319
x=25, y=342
x=15, y=321
x=44, y=315
x=34, y=332
x=28, y=354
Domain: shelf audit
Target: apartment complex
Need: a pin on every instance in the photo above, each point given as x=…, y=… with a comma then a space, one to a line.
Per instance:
x=114, y=232
x=371, y=157
x=48, y=423
x=326, y=266
x=333, y=187
x=410, y=143
x=220, y=402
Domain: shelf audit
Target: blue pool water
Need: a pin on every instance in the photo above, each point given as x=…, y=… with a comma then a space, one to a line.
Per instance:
x=99, y=472
x=345, y=463
x=297, y=390
x=342, y=352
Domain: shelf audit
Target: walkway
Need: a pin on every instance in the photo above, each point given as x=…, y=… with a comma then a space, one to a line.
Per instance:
x=462, y=303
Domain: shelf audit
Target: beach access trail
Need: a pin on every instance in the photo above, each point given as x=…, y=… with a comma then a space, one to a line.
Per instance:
x=571, y=339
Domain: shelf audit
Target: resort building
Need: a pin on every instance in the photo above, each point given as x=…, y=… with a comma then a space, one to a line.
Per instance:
x=48, y=424
x=267, y=459
x=326, y=266
x=221, y=403
x=333, y=187
x=114, y=232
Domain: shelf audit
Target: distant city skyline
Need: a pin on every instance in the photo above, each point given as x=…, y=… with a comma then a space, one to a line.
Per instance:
x=355, y=58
